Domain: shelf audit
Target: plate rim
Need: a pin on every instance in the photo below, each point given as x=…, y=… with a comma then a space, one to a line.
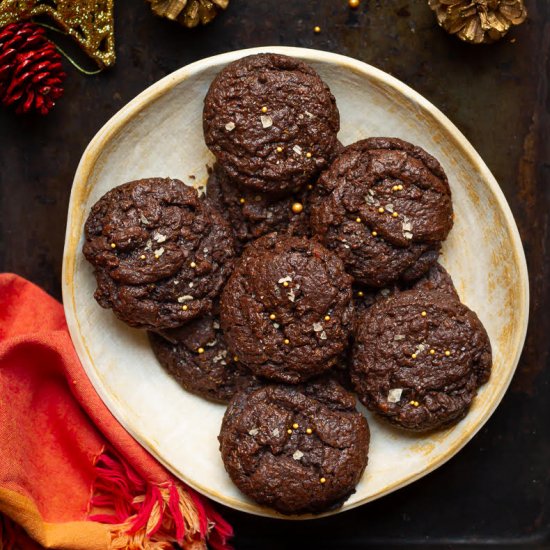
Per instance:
x=113, y=126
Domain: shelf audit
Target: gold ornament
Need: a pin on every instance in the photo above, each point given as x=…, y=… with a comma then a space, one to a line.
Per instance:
x=89, y=22
x=188, y=12
x=478, y=21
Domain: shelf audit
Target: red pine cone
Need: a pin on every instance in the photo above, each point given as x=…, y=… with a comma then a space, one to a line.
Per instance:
x=31, y=75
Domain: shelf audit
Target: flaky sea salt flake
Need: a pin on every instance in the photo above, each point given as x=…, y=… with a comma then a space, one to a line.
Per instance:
x=297, y=455
x=230, y=126
x=267, y=121
x=395, y=395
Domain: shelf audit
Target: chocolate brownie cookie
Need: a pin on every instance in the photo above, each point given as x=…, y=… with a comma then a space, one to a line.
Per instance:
x=286, y=310
x=383, y=206
x=436, y=278
x=419, y=358
x=364, y=297
x=298, y=449
x=271, y=122
x=252, y=214
x=160, y=254
x=197, y=357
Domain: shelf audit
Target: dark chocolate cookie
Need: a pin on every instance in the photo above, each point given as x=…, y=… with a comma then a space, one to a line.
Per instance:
x=271, y=122
x=383, y=206
x=252, y=214
x=419, y=357
x=197, y=357
x=286, y=310
x=298, y=449
x=436, y=278
x=161, y=255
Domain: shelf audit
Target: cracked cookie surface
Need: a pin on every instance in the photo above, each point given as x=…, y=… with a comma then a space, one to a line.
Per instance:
x=286, y=310
x=160, y=254
x=197, y=357
x=271, y=122
x=252, y=214
x=298, y=449
x=384, y=206
x=419, y=357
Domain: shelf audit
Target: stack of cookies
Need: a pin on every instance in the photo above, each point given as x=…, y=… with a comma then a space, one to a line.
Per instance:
x=308, y=272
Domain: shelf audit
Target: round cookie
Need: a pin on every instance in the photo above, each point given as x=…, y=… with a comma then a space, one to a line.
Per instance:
x=160, y=254
x=197, y=357
x=271, y=122
x=418, y=359
x=286, y=310
x=383, y=206
x=251, y=214
x=298, y=449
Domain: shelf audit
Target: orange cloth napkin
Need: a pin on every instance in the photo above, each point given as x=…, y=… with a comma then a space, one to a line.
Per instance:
x=70, y=475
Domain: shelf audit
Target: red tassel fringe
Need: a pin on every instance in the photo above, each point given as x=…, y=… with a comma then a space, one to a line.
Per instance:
x=145, y=516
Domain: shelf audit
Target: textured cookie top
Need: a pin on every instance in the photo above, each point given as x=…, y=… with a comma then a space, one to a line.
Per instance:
x=286, y=310
x=436, y=278
x=381, y=206
x=419, y=358
x=160, y=254
x=298, y=449
x=197, y=356
x=252, y=214
x=271, y=122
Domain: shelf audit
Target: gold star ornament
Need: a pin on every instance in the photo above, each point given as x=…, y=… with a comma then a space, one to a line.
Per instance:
x=478, y=21
x=89, y=22
x=189, y=13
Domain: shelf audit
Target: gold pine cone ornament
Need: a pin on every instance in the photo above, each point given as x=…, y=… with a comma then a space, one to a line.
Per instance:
x=478, y=21
x=189, y=13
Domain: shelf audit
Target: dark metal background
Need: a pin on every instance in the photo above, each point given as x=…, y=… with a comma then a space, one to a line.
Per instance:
x=495, y=491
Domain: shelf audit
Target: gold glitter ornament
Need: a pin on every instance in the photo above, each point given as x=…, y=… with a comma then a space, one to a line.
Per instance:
x=478, y=21
x=89, y=22
x=189, y=13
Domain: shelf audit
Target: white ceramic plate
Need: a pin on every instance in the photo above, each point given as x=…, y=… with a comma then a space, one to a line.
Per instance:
x=159, y=133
